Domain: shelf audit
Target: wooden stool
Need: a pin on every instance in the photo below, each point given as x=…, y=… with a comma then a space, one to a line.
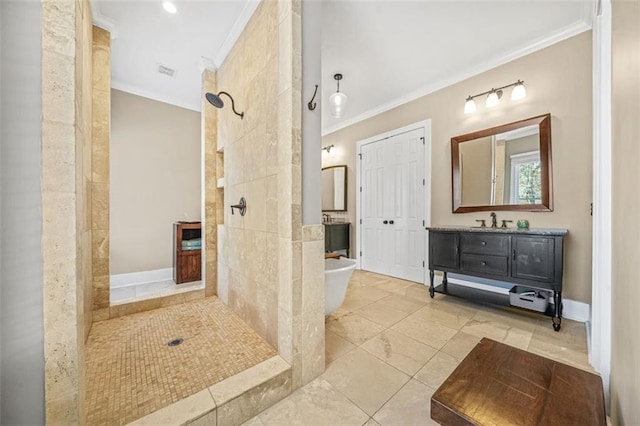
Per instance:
x=497, y=384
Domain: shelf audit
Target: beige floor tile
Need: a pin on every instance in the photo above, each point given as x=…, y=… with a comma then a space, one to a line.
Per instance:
x=364, y=379
x=354, y=328
x=317, y=403
x=410, y=406
x=416, y=292
x=572, y=334
x=437, y=370
x=402, y=303
x=371, y=422
x=460, y=345
x=400, y=351
x=254, y=421
x=354, y=303
x=445, y=314
x=499, y=331
x=370, y=293
x=432, y=334
x=335, y=346
x=381, y=314
x=393, y=284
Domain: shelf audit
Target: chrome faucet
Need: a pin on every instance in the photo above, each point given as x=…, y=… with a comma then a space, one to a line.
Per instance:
x=494, y=220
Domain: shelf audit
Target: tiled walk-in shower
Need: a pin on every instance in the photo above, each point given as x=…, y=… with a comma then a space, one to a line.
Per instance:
x=132, y=371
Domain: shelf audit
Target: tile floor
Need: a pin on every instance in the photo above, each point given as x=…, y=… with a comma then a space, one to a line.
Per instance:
x=390, y=346
x=151, y=290
x=131, y=371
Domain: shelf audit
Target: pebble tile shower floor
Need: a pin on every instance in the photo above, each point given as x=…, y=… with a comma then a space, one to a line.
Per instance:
x=131, y=371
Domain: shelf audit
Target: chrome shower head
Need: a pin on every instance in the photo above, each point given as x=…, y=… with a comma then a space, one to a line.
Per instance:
x=216, y=101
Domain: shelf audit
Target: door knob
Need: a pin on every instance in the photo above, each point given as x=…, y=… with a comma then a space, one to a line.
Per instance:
x=384, y=222
x=391, y=222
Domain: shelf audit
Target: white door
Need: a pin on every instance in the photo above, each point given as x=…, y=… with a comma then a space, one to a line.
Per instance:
x=392, y=206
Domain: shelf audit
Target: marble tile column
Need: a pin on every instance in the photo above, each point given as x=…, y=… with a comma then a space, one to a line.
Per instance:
x=100, y=176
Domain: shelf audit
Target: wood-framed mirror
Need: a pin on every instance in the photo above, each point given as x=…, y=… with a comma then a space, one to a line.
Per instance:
x=334, y=189
x=505, y=167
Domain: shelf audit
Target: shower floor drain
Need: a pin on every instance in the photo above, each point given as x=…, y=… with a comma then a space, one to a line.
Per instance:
x=175, y=342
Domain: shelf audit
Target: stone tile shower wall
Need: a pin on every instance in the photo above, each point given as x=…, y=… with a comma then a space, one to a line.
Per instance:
x=212, y=201
x=66, y=208
x=250, y=75
x=261, y=256
x=100, y=178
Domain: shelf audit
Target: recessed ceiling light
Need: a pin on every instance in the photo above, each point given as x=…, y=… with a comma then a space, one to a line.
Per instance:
x=169, y=7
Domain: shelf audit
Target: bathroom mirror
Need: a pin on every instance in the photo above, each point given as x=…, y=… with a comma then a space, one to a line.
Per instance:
x=334, y=189
x=506, y=167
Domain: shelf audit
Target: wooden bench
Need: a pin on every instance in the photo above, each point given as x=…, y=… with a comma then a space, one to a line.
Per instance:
x=497, y=384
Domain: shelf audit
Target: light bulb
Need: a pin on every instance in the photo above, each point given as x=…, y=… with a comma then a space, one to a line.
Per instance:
x=492, y=99
x=518, y=92
x=169, y=7
x=470, y=106
x=337, y=104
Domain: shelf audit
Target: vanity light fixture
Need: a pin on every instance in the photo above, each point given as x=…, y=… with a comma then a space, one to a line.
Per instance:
x=494, y=96
x=327, y=148
x=338, y=100
x=169, y=7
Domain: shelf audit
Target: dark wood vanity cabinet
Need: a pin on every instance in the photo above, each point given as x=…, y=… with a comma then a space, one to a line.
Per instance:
x=531, y=258
x=336, y=236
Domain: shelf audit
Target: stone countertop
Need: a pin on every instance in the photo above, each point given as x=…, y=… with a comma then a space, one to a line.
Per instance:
x=513, y=230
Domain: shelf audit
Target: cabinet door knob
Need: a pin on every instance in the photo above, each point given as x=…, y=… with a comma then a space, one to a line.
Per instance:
x=484, y=263
x=514, y=254
x=484, y=243
x=391, y=222
x=384, y=222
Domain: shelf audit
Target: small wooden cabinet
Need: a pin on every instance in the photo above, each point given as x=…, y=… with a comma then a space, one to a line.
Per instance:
x=532, y=258
x=187, y=252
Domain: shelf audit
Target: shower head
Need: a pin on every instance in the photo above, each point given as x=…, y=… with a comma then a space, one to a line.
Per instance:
x=216, y=101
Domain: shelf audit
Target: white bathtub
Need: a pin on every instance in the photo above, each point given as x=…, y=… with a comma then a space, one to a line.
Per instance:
x=337, y=273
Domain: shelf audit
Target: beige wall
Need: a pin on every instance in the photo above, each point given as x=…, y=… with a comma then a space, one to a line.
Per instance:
x=66, y=204
x=155, y=158
x=625, y=356
x=558, y=81
x=101, y=115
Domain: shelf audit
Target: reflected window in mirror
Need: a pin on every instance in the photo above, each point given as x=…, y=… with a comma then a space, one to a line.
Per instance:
x=334, y=189
x=503, y=168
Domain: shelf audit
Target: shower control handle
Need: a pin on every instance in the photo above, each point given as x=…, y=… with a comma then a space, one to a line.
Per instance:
x=241, y=206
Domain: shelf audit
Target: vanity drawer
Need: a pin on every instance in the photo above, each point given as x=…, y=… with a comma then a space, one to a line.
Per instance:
x=485, y=265
x=485, y=244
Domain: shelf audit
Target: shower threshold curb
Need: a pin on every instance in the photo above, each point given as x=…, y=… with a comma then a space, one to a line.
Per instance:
x=231, y=401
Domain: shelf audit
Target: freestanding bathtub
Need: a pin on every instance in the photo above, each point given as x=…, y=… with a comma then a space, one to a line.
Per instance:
x=336, y=278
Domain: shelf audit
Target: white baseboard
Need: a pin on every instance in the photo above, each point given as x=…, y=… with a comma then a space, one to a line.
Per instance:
x=133, y=278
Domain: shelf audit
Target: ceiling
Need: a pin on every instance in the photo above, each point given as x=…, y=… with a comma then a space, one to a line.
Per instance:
x=144, y=35
x=390, y=52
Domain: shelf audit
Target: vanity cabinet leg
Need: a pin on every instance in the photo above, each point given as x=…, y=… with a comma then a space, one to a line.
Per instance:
x=431, y=288
x=557, y=316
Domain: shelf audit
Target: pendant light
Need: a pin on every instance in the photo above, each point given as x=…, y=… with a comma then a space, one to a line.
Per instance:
x=338, y=100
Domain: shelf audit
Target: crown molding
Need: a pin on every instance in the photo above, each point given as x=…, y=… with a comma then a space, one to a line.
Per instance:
x=123, y=87
x=236, y=30
x=99, y=20
x=569, y=31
